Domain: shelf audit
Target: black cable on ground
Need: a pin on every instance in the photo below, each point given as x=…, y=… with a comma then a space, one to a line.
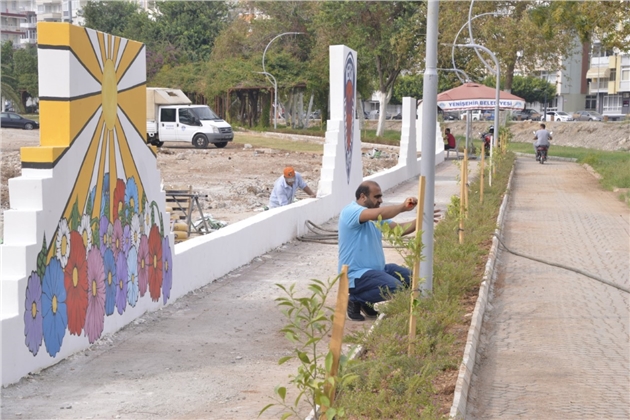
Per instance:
x=584, y=273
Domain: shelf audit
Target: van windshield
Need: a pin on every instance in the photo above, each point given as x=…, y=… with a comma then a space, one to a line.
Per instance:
x=205, y=113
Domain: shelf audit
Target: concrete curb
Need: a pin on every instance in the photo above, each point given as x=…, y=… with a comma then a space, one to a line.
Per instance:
x=460, y=399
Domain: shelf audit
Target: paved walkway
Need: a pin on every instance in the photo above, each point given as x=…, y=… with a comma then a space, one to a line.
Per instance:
x=212, y=354
x=555, y=344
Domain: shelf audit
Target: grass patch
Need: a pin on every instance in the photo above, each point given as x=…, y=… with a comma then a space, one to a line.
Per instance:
x=34, y=117
x=614, y=167
x=395, y=386
x=277, y=143
x=391, y=137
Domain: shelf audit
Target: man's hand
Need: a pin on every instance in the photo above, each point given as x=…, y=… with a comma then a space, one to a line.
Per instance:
x=436, y=215
x=410, y=203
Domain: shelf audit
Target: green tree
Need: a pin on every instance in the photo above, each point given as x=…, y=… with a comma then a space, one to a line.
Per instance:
x=25, y=68
x=192, y=26
x=9, y=87
x=533, y=89
x=111, y=17
x=388, y=37
x=606, y=21
x=408, y=85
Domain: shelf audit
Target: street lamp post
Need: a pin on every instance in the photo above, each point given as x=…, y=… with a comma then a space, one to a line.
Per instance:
x=496, y=105
x=275, y=85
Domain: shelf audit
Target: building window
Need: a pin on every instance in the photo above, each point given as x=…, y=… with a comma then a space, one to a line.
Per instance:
x=611, y=104
x=613, y=75
x=591, y=102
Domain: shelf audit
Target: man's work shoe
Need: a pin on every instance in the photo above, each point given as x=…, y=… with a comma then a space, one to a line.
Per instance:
x=368, y=311
x=354, y=311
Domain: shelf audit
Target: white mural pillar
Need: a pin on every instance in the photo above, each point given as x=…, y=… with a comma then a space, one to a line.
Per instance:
x=439, y=140
x=343, y=137
x=408, y=148
x=87, y=245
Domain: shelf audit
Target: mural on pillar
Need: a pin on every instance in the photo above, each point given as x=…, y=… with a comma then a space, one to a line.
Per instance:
x=349, y=109
x=109, y=247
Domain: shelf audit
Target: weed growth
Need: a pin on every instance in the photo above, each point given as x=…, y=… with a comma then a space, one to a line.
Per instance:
x=393, y=385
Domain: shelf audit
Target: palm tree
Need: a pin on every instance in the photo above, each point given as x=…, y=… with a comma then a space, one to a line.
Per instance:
x=7, y=91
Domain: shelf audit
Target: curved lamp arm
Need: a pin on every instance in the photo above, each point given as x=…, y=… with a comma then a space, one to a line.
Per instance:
x=472, y=40
x=495, y=14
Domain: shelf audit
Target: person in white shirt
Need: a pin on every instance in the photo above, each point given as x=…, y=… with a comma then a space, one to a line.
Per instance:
x=285, y=187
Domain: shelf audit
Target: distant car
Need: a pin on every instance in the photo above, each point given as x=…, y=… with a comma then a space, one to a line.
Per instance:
x=488, y=115
x=587, y=116
x=13, y=120
x=450, y=116
x=476, y=115
x=559, y=116
x=397, y=116
x=526, y=114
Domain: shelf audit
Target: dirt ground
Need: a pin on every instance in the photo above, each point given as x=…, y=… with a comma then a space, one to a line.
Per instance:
x=237, y=179
x=611, y=136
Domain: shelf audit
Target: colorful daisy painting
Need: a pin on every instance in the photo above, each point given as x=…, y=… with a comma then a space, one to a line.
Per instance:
x=106, y=249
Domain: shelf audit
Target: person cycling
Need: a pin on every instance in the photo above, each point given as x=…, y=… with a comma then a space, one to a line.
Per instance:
x=542, y=138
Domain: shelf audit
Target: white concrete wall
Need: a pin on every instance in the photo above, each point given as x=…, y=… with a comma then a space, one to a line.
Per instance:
x=200, y=260
x=91, y=131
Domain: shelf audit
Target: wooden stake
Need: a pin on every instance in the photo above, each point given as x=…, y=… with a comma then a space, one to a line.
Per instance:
x=481, y=174
x=466, y=182
x=416, y=267
x=461, y=205
x=337, y=335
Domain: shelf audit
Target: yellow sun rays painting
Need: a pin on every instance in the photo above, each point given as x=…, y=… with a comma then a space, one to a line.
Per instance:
x=109, y=247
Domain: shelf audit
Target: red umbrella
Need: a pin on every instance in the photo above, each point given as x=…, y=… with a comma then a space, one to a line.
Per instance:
x=475, y=96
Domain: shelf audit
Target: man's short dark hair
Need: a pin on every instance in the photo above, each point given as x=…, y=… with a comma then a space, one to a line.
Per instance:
x=448, y=130
x=364, y=189
x=542, y=125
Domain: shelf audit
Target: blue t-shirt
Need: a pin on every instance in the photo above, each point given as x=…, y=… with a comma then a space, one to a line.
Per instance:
x=360, y=245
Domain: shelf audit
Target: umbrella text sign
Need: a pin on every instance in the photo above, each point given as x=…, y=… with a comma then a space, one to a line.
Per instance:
x=475, y=96
x=464, y=105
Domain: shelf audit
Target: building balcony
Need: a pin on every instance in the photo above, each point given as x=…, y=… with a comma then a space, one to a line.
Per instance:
x=599, y=61
x=28, y=41
x=12, y=29
x=49, y=17
x=28, y=25
x=624, y=86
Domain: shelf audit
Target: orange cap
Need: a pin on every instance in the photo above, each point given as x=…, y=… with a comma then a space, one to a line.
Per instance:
x=289, y=172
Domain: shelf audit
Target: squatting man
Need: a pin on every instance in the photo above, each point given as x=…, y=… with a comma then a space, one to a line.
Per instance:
x=285, y=187
x=360, y=248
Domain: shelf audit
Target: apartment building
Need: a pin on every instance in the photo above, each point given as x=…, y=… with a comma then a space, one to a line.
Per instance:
x=609, y=82
x=18, y=23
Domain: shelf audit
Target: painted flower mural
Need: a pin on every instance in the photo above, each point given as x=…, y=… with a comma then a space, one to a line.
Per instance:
x=54, y=313
x=76, y=284
x=95, y=316
x=110, y=244
x=33, y=328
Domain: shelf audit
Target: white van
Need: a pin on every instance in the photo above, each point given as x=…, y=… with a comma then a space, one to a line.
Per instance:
x=171, y=117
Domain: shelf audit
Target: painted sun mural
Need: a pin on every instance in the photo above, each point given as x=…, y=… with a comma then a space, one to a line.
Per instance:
x=109, y=249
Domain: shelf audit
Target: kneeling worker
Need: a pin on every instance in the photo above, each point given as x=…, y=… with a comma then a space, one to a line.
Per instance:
x=360, y=248
x=285, y=187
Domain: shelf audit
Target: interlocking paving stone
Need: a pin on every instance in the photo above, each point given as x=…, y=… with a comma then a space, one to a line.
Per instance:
x=554, y=343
